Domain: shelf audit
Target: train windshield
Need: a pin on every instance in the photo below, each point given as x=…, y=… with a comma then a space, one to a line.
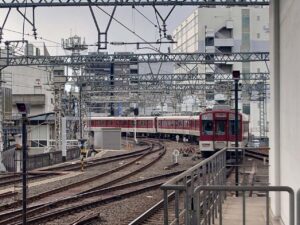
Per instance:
x=220, y=127
x=207, y=127
x=232, y=127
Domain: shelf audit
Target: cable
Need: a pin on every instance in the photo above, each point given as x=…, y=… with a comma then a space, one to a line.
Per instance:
x=24, y=21
x=146, y=17
x=127, y=28
x=40, y=37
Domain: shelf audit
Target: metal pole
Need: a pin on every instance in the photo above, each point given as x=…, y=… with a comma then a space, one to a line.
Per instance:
x=80, y=114
x=2, y=167
x=24, y=173
x=64, y=138
x=236, y=123
x=112, y=83
x=135, y=140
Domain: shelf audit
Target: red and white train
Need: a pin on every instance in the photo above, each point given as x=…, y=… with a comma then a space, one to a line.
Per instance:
x=213, y=129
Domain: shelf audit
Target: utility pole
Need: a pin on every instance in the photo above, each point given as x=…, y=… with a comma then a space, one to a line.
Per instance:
x=2, y=167
x=236, y=78
x=112, y=83
x=24, y=167
x=24, y=110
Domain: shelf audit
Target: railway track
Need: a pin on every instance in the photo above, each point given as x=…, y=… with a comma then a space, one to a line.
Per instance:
x=12, y=217
x=101, y=161
x=257, y=155
x=16, y=178
x=84, y=206
x=155, y=214
x=84, y=220
x=82, y=182
x=7, y=217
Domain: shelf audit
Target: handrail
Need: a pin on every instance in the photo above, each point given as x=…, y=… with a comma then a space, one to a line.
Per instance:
x=298, y=207
x=175, y=180
x=221, y=188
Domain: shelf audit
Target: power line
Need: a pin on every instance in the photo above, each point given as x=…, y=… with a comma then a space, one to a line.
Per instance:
x=127, y=28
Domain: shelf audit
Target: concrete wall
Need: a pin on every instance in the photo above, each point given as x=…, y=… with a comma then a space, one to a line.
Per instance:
x=30, y=81
x=285, y=103
x=107, y=138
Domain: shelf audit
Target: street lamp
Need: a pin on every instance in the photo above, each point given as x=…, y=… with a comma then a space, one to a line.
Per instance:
x=24, y=109
x=236, y=77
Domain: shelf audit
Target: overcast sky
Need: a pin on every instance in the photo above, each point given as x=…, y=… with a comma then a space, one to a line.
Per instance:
x=55, y=23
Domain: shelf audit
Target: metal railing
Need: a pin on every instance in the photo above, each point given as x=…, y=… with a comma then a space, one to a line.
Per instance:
x=298, y=207
x=211, y=171
x=204, y=216
x=70, y=143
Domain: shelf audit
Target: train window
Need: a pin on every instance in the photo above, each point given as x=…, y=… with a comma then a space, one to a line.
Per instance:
x=220, y=127
x=207, y=127
x=180, y=123
x=232, y=127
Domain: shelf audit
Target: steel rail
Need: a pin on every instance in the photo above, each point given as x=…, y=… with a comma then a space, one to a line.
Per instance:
x=72, y=209
x=66, y=187
x=100, y=161
x=16, y=215
x=150, y=212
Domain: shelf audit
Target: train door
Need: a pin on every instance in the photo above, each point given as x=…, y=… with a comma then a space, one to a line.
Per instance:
x=220, y=130
x=206, y=126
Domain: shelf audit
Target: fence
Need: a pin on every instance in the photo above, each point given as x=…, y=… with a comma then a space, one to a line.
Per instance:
x=11, y=159
x=203, y=188
x=204, y=216
x=211, y=171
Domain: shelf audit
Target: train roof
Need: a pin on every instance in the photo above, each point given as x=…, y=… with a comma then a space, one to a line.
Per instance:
x=122, y=118
x=178, y=117
x=244, y=116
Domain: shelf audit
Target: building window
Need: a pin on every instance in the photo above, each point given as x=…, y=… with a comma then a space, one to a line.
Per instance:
x=258, y=35
x=258, y=18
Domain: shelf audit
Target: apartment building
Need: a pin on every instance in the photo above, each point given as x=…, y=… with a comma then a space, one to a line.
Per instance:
x=227, y=30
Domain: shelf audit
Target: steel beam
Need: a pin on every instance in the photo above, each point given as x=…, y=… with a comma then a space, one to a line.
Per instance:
x=165, y=87
x=178, y=77
x=53, y=3
x=100, y=58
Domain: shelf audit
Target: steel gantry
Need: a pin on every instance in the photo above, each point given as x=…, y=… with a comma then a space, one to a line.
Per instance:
x=178, y=77
x=52, y=3
x=71, y=60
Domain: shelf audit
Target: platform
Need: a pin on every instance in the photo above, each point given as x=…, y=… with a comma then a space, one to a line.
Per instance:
x=232, y=212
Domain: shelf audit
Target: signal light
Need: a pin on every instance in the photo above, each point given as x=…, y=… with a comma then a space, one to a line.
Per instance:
x=236, y=74
x=136, y=111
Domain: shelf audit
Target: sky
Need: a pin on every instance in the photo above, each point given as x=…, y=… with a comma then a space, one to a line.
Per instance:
x=55, y=23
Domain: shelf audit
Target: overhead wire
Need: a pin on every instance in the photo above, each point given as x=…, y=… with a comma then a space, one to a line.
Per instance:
x=130, y=30
x=145, y=17
x=24, y=21
x=119, y=22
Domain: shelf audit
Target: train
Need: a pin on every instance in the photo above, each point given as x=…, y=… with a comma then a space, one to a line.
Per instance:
x=212, y=129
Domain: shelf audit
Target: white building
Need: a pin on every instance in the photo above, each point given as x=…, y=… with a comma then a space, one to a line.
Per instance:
x=226, y=30
x=30, y=84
